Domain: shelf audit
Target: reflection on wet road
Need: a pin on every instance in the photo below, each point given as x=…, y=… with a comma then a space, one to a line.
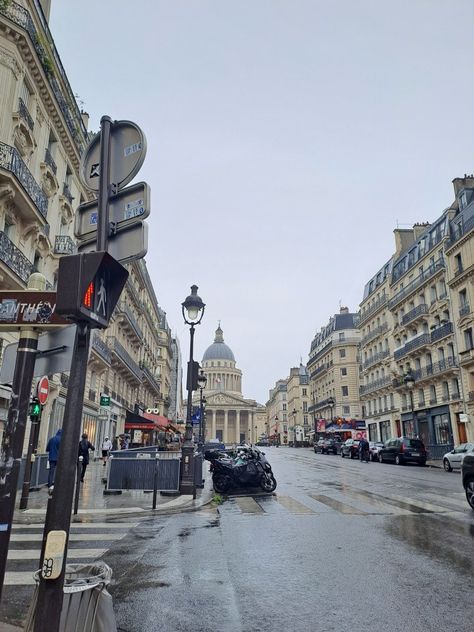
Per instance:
x=340, y=546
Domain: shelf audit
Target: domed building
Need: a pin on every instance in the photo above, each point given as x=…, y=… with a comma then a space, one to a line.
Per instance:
x=229, y=416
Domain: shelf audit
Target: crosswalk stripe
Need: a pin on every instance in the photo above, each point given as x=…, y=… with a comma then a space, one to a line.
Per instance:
x=458, y=504
x=78, y=537
x=379, y=504
x=337, y=505
x=248, y=505
x=294, y=506
x=19, y=578
x=34, y=554
x=83, y=525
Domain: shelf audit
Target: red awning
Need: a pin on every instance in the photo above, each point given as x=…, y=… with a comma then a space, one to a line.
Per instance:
x=137, y=426
x=160, y=422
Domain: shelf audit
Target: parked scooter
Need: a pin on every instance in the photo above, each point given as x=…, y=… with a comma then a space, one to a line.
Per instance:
x=249, y=469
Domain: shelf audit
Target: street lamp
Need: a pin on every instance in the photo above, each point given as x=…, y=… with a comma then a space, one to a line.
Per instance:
x=193, y=311
x=255, y=435
x=409, y=381
x=331, y=403
x=294, y=412
x=202, y=381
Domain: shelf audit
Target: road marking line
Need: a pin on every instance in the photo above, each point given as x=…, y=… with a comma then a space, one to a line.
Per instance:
x=294, y=506
x=78, y=537
x=83, y=525
x=122, y=510
x=384, y=507
x=17, y=578
x=34, y=554
x=248, y=505
x=337, y=505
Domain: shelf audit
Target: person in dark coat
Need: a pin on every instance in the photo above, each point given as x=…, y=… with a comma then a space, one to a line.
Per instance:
x=52, y=449
x=84, y=446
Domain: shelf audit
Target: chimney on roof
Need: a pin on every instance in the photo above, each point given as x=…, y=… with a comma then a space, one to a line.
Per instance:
x=404, y=238
x=419, y=228
x=463, y=183
x=85, y=119
x=343, y=310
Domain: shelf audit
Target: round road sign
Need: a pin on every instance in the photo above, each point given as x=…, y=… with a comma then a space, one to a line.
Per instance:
x=127, y=153
x=42, y=390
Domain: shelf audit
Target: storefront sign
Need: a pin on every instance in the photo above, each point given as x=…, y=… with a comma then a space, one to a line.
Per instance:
x=320, y=425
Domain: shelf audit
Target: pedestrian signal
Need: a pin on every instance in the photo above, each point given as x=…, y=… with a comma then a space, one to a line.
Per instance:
x=35, y=408
x=89, y=286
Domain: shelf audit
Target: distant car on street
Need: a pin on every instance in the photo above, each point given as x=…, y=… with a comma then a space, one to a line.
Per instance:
x=467, y=473
x=318, y=445
x=374, y=447
x=401, y=450
x=454, y=458
x=350, y=448
x=331, y=446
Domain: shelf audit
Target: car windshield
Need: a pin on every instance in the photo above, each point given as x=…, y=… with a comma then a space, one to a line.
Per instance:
x=413, y=443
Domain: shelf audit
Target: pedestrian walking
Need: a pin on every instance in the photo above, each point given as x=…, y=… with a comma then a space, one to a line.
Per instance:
x=364, y=450
x=84, y=446
x=52, y=449
x=106, y=447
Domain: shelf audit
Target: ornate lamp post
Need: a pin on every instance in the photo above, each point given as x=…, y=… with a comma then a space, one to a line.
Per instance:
x=331, y=404
x=193, y=311
x=409, y=382
x=294, y=412
x=202, y=381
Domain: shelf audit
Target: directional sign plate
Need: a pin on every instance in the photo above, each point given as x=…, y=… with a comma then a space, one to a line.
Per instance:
x=127, y=245
x=21, y=309
x=127, y=153
x=129, y=207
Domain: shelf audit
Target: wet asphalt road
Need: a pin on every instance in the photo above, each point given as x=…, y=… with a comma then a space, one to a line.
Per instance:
x=342, y=546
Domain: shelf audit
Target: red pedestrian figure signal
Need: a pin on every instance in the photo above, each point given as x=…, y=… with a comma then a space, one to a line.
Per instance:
x=89, y=296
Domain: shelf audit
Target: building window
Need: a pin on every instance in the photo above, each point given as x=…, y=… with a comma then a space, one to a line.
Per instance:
x=384, y=431
x=345, y=391
x=284, y=406
x=432, y=394
x=458, y=264
x=305, y=392
x=441, y=428
x=305, y=407
x=346, y=410
x=342, y=336
x=462, y=298
x=468, y=340
x=342, y=353
x=344, y=371
x=421, y=397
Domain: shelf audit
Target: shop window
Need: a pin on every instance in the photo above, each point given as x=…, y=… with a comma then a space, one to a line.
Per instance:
x=441, y=428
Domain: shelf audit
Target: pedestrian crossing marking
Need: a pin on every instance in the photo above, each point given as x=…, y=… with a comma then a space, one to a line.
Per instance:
x=84, y=525
x=384, y=508
x=294, y=506
x=34, y=554
x=78, y=537
x=19, y=578
x=338, y=505
x=247, y=504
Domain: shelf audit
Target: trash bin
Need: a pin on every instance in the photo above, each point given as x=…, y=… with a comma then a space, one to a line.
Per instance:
x=87, y=604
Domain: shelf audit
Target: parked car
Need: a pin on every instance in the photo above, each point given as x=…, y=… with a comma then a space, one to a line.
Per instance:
x=403, y=450
x=454, y=458
x=467, y=473
x=319, y=445
x=331, y=446
x=374, y=447
x=350, y=448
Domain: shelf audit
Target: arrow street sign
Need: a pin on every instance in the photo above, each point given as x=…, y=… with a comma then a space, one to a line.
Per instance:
x=126, y=208
x=27, y=308
x=127, y=153
x=127, y=245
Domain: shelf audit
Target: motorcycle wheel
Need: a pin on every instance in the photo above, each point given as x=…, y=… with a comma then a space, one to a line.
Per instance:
x=220, y=483
x=268, y=483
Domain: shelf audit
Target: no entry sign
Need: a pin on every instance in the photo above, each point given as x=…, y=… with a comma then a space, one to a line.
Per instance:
x=43, y=390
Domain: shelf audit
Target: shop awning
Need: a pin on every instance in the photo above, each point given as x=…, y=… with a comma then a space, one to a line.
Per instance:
x=137, y=426
x=160, y=422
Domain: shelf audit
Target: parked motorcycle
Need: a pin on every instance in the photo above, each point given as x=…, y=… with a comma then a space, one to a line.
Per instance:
x=250, y=469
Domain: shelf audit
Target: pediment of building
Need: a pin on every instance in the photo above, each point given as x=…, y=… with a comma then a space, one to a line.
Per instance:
x=226, y=399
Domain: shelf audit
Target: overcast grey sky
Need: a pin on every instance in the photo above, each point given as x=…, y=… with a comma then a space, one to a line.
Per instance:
x=286, y=139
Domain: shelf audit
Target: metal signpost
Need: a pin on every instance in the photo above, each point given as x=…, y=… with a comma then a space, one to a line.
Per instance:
x=89, y=286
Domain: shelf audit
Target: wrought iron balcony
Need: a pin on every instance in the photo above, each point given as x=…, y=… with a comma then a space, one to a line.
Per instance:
x=448, y=364
x=48, y=158
x=10, y=160
x=374, y=333
x=370, y=311
x=125, y=309
x=464, y=310
x=14, y=258
x=64, y=245
x=25, y=115
x=377, y=357
x=126, y=358
x=102, y=349
x=67, y=193
x=420, y=280
x=415, y=343
x=413, y=314
x=150, y=377
x=321, y=369
x=442, y=331
x=375, y=385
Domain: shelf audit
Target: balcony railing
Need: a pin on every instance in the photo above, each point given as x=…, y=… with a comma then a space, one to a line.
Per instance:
x=419, y=310
x=377, y=357
x=67, y=193
x=442, y=331
x=14, y=258
x=25, y=115
x=420, y=280
x=460, y=230
x=101, y=348
x=64, y=245
x=375, y=385
x=434, y=369
x=369, y=311
x=321, y=369
x=65, y=98
x=126, y=359
x=464, y=310
x=11, y=160
x=48, y=158
x=150, y=377
x=415, y=343
x=374, y=333
x=125, y=309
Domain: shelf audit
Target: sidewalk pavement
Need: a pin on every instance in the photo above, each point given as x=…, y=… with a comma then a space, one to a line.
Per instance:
x=93, y=504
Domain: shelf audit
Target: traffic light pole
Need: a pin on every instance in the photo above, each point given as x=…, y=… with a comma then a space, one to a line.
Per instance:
x=13, y=438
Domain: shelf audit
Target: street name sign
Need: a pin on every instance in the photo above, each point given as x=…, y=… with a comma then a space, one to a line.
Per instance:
x=21, y=309
x=128, y=207
x=127, y=153
x=127, y=245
